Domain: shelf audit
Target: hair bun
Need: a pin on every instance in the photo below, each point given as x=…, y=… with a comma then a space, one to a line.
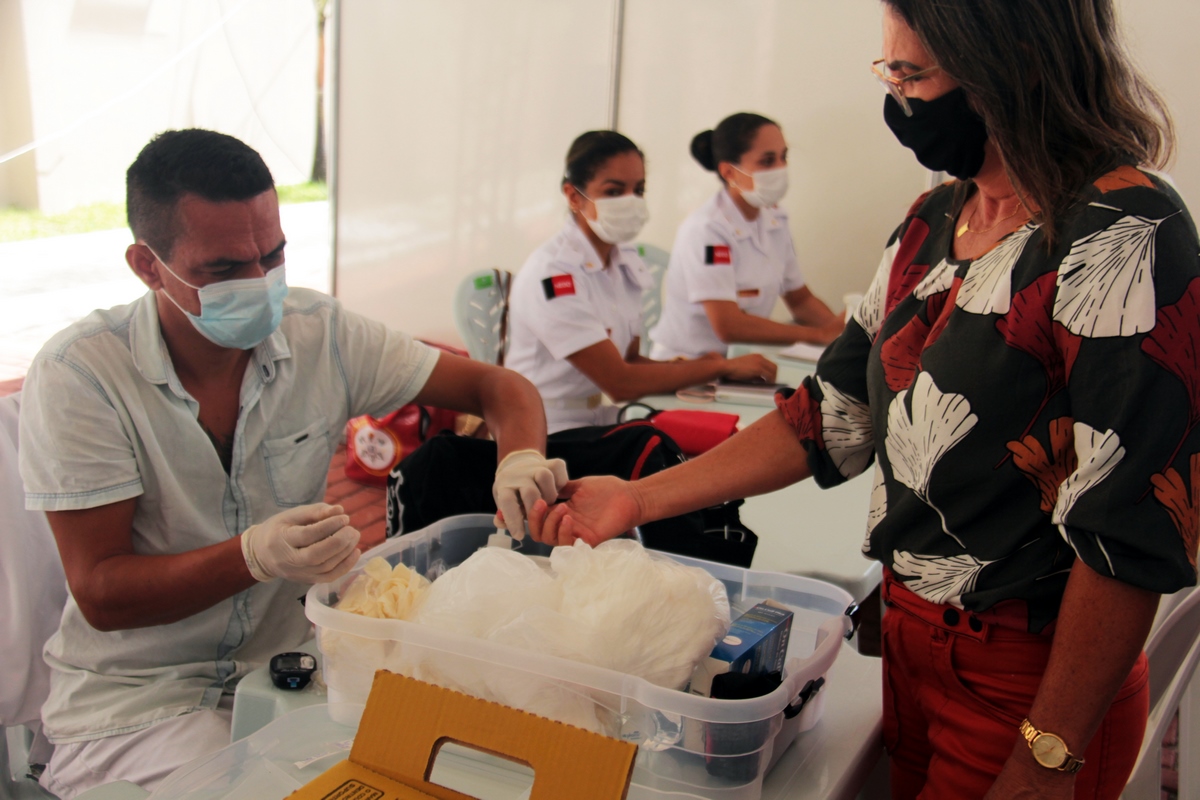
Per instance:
x=702, y=150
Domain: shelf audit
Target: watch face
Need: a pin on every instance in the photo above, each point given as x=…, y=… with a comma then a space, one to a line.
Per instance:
x=1049, y=750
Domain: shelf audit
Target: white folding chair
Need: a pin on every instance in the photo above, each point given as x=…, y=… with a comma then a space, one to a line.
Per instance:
x=34, y=591
x=481, y=314
x=1173, y=650
x=655, y=259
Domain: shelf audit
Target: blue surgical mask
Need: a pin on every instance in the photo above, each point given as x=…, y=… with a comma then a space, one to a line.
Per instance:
x=237, y=314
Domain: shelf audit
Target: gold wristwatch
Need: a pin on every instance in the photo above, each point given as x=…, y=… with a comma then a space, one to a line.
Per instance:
x=1049, y=750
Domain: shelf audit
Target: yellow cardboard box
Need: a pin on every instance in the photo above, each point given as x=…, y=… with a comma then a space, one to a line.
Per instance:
x=406, y=722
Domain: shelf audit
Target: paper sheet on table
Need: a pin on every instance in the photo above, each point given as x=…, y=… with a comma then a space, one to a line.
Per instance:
x=803, y=351
x=748, y=394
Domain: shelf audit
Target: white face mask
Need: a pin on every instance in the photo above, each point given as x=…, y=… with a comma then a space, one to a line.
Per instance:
x=770, y=185
x=236, y=314
x=618, y=219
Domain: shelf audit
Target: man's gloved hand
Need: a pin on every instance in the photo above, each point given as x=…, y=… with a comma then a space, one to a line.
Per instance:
x=523, y=477
x=306, y=544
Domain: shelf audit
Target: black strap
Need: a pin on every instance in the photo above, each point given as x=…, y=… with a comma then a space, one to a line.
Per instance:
x=627, y=406
x=504, y=280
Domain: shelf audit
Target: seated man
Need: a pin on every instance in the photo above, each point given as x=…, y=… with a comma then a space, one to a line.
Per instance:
x=180, y=445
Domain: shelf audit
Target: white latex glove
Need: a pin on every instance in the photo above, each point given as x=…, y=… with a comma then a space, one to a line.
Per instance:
x=306, y=544
x=521, y=478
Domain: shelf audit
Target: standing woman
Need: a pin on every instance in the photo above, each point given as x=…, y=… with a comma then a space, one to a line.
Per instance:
x=734, y=256
x=576, y=305
x=1023, y=371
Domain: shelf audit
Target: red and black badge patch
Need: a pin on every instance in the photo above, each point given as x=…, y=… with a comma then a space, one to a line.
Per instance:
x=558, y=286
x=717, y=254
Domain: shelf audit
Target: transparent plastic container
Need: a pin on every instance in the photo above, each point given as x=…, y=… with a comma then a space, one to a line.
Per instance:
x=690, y=746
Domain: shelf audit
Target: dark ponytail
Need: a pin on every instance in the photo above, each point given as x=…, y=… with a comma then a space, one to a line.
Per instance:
x=590, y=151
x=702, y=150
x=730, y=141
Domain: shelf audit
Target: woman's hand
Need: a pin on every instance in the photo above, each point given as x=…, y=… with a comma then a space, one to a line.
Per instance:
x=596, y=510
x=750, y=368
x=1023, y=779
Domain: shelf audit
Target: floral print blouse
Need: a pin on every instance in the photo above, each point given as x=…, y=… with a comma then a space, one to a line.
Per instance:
x=1026, y=407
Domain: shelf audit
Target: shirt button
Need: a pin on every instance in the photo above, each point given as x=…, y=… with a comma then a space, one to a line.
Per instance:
x=974, y=624
x=950, y=617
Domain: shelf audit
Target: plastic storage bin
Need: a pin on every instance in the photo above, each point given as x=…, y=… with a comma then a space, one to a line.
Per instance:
x=690, y=746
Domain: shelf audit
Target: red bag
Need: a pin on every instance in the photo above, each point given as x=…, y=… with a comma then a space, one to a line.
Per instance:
x=375, y=446
x=693, y=430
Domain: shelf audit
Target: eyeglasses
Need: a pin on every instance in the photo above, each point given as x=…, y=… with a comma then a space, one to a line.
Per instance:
x=894, y=85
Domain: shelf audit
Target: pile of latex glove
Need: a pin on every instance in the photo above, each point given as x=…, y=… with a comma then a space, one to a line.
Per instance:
x=383, y=592
x=614, y=606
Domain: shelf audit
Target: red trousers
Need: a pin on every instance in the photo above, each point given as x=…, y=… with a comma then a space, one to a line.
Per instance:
x=956, y=686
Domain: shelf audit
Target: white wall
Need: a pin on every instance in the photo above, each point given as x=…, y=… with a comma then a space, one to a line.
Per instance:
x=806, y=64
x=1162, y=37
x=254, y=78
x=18, y=179
x=455, y=117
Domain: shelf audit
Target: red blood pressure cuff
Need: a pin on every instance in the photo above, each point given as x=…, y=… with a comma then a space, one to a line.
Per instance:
x=694, y=431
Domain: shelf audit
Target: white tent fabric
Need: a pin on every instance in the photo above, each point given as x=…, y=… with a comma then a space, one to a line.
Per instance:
x=32, y=586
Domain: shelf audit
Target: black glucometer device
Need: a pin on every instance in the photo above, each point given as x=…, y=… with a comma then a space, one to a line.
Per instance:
x=292, y=671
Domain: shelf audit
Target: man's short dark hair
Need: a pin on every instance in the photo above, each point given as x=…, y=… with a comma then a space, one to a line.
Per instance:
x=208, y=164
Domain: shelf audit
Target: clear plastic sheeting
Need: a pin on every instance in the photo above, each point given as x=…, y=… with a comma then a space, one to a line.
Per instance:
x=271, y=763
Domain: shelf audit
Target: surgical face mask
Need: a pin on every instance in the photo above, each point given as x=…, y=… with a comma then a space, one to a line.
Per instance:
x=945, y=134
x=237, y=314
x=770, y=185
x=618, y=219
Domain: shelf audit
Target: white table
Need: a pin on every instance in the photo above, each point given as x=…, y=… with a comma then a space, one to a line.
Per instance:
x=830, y=762
x=803, y=529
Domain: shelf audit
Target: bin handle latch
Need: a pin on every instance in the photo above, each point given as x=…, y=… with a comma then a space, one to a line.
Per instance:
x=806, y=694
x=850, y=612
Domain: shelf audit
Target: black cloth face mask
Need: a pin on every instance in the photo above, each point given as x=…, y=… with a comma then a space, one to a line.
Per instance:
x=945, y=133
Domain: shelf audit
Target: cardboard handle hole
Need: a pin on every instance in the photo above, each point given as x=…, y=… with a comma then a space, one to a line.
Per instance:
x=478, y=773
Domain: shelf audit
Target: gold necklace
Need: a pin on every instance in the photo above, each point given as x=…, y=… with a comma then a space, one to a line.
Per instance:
x=966, y=228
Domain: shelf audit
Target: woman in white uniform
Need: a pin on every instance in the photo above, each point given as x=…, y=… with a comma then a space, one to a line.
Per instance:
x=575, y=313
x=734, y=255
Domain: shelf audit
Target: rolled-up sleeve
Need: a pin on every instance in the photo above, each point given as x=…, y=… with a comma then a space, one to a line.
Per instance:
x=383, y=368
x=829, y=411
x=75, y=451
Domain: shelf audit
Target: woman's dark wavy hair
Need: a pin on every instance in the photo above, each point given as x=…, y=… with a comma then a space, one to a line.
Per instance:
x=1062, y=100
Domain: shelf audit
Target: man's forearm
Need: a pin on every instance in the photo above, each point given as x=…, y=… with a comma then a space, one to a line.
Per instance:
x=137, y=591
x=762, y=458
x=513, y=410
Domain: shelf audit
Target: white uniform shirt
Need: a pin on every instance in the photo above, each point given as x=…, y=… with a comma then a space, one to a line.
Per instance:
x=105, y=418
x=565, y=300
x=720, y=255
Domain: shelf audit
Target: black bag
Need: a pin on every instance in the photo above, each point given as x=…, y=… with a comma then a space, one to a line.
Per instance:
x=450, y=475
